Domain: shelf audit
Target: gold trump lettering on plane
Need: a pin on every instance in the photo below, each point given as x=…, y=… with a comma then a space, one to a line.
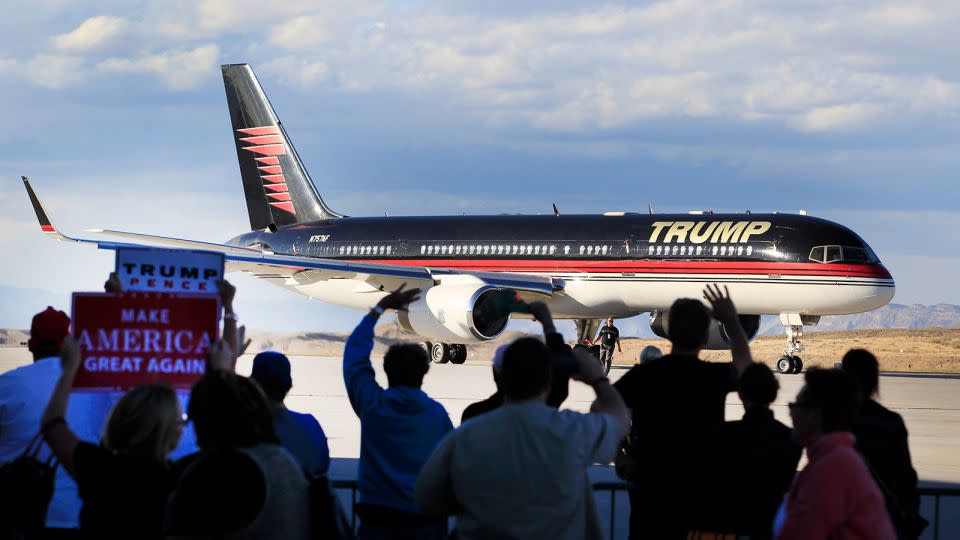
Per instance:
x=699, y=232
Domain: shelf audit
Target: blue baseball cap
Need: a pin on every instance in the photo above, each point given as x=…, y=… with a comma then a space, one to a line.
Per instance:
x=271, y=365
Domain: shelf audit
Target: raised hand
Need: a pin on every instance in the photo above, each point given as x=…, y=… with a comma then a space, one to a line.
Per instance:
x=220, y=356
x=112, y=284
x=541, y=313
x=242, y=341
x=720, y=302
x=399, y=299
x=227, y=292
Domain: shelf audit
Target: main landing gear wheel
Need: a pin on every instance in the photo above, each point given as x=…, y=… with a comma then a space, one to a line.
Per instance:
x=440, y=353
x=458, y=353
x=427, y=347
x=789, y=365
x=784, y=365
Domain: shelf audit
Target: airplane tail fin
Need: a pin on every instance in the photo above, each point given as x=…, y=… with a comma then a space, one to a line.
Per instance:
x=277, y=187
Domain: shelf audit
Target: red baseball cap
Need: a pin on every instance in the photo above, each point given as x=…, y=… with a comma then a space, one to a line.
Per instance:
x=48, y=329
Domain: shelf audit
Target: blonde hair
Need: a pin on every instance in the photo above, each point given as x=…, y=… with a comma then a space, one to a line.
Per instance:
x=143, y=422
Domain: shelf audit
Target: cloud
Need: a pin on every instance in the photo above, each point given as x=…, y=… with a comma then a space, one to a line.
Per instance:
x=303, y=72
x=180, y=70
x=54, y=71
x=901, y=15
x=837, y=117
x=301, y=32
x=92, y=33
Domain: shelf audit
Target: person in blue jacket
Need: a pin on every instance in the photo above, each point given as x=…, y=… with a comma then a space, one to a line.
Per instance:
x=299, y=433
x=400, y=426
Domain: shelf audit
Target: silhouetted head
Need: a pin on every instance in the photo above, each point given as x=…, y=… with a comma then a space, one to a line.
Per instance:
x=497, y=364
x=146, y=422
x=609, y=321
x=47, y=331
x=689, y=324
x=862, y=365
x=229, y=411
x=650, y=353
x=405, y=365
x=526, y=370
x=271, y=370
x=826, y=403
x=758, y=386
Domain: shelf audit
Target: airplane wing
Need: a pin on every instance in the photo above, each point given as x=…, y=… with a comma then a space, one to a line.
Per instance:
x=291, y=271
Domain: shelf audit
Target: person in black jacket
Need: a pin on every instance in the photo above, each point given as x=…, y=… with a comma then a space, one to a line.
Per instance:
x=677, y=404
x=756, y=459
x=881, y=436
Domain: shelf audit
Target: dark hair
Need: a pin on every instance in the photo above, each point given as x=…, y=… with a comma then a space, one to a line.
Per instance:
x=688, y=323
x=526, y=369
x=274, y=389
x=405, y=365
x=758, y=385
x=835, y=393
x=862, y=365
x=229, y=411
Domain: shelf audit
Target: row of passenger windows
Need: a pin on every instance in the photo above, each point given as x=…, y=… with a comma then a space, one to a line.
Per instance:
x=497, y=249
x=567, y=250
x=694, y=251
x=366, y=250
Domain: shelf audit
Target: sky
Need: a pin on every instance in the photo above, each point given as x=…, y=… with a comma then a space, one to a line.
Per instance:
x=116, y=112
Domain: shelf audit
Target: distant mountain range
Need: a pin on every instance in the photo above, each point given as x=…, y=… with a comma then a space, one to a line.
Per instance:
x=890, y=316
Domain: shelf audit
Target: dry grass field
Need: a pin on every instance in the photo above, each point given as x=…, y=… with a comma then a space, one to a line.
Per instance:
x=929, y=349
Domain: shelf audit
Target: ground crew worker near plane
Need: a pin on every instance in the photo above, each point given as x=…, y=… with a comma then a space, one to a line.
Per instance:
x=609, y=336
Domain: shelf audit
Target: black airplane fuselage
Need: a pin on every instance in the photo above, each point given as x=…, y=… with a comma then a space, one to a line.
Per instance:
x=561, y=243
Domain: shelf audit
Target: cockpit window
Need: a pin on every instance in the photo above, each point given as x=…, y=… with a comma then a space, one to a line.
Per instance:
x=816, y=254
x=848, y=254
x=859, y=255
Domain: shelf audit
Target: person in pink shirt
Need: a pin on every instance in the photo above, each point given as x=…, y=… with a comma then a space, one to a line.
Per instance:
x=834, y=496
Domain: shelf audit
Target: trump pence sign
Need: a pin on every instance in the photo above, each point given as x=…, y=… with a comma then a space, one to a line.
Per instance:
x=169, y=270
x=130, y=339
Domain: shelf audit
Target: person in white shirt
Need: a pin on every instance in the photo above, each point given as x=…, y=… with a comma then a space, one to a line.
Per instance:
x=23, y=395
x=521, y=471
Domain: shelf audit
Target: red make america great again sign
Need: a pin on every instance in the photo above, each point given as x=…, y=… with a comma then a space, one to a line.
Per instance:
x=131, y=339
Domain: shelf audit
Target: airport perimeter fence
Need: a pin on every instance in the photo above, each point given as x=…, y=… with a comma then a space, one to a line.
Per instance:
x=930, y=496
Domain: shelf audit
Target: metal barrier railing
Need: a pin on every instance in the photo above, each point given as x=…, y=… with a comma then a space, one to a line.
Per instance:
x=613, y=487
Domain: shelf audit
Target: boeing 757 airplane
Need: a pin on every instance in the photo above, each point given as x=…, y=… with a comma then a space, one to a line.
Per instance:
x=585, y=267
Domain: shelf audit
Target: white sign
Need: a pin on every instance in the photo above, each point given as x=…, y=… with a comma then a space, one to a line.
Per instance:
x=169, y=270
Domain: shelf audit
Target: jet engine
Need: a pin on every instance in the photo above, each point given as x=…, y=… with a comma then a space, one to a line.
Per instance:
x=458, y=313
x=718, y=339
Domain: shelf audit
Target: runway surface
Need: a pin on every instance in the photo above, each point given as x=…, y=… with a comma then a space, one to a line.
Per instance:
x=929, y=403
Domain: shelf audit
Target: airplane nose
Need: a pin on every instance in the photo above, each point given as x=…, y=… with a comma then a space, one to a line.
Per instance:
x=885, y=289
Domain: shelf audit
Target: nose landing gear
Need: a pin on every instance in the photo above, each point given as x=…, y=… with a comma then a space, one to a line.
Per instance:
x=790, y=362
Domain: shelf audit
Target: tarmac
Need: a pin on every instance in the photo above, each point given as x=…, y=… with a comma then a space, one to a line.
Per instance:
x=929, y=404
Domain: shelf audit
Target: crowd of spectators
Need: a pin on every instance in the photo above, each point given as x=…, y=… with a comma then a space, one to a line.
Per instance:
x=516, y=467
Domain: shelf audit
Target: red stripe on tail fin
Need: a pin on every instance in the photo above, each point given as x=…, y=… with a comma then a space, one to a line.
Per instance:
x=288, y=206
x=264, y=130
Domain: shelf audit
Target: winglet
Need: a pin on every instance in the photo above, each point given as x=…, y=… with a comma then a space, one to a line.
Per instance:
x=45, y=224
